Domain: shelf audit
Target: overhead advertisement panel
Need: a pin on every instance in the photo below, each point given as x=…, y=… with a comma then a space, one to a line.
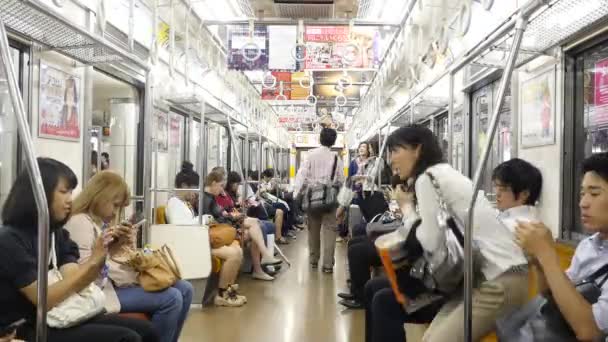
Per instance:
x=337, y=47
x=281, y=42
x=272, y=93
x=246, y=51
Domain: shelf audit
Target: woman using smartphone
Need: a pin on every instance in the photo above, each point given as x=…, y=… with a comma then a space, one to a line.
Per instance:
x=18, y=263
x=96, y=212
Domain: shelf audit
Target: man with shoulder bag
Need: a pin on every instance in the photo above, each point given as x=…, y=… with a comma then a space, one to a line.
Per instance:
x=317, y=183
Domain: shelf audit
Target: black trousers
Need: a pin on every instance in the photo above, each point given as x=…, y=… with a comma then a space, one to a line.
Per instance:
x=384, y=316
x=362, y=255
x=103, y=328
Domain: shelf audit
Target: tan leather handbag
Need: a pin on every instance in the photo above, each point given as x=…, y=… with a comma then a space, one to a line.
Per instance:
x=158, y=269
x=221, y=234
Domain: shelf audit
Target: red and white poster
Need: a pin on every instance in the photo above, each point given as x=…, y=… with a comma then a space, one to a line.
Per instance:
x=281, y=76
x=175, y=130
x=326, y=34
x=59, y=107
x=600, y=115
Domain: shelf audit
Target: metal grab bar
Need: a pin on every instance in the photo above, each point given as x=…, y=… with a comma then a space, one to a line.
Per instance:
x=520, y=26
x=238, y=158
x=35, y=179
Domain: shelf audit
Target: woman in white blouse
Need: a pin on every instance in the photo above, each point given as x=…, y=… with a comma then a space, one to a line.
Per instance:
x=503, y=282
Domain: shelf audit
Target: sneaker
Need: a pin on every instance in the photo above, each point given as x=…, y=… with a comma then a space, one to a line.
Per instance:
x=228, y=300
x=351, y=303
x=328, y=270
x=314, y=265
x=339, y=239
x=271, y=261
x=232, y=291
x=291, y=235
x=346, y=295
x=282, y=241
x=262, y=276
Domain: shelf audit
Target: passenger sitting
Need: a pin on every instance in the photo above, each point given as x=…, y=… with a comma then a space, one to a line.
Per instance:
x=269, y=193
x=230, y=212
x=18, y=263
x=179, y=211
x=588, y=321
x=415, y=152
x=97, y=210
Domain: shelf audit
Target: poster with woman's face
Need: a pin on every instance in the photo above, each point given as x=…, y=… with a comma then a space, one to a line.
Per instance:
x=59, y=109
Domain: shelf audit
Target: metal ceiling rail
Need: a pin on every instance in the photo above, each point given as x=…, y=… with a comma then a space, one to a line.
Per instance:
x=31, y=163
x=311, y=22
x=40, y=23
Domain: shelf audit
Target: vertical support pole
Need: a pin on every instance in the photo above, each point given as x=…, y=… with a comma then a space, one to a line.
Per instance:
x=468, y=238
x=247, y=151
x=260, y=157
x=131, y=38
x=238, y=158
x=149, y=144
x=451, y=121
x=380, y=165
x=35, y=178
x=202, y=162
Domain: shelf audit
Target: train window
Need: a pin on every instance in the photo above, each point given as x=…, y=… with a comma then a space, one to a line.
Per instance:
x=458, y=141
x=8, y=133
x=590, y=121
x=213, y=142
x=441, y=131
x=195, y=145
x=233, y=160
x=224, y=146
x=253, y=155
x=483, y=102
x=176, y=144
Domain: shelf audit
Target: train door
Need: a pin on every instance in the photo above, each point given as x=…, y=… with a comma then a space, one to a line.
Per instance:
x=483, y=102
x=9, y=157
x=587, y=122
x=441, y=131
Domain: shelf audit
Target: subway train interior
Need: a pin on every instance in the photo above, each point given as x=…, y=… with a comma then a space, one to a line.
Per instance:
x=303, y=170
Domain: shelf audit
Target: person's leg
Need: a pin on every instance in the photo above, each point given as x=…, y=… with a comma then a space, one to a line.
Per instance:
x=91, y=332
x=278, y=222
x=491, y=300
x=314, y=237
x=232, y=257
x=257, y=238
x=143, y=328
x=165, y=307
x=370, y=290
x=329, y=231
x=186, y=289
x=362, y=255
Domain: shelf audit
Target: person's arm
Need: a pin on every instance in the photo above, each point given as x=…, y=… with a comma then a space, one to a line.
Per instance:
x=75, y=278
x=302, y=176
x=536, y=239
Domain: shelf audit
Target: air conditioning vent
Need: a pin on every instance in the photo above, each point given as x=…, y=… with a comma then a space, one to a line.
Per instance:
x=304, y=8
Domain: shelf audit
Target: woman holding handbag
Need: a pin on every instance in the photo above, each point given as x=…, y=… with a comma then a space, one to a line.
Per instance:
x=96, y=212
x=18, y=264
x=438, y=200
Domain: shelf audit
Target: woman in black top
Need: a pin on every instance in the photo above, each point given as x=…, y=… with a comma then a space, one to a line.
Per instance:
x=18, y=260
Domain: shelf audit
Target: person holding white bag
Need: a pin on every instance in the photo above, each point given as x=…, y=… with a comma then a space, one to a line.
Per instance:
x=18, y=267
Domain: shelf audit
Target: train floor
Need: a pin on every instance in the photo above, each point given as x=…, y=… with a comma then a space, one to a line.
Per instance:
x=299, y=306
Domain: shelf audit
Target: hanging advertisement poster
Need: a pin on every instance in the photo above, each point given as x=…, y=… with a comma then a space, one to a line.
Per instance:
x=272, y=93
x=600, y=94
x=281, y=42
x=248, y=52
x=327, y=46
x=537, y=108
x=59, y=109
x=161, y=131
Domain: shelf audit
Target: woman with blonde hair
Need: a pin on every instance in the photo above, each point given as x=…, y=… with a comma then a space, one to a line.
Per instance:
x=97, y=211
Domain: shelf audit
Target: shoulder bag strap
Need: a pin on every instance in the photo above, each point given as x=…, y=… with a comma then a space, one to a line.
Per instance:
x=170, y=260
x=444, y=206
x=599, y=273
x=333, y=169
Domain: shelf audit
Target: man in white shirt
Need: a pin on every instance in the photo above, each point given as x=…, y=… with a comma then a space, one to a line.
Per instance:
x=317, y=169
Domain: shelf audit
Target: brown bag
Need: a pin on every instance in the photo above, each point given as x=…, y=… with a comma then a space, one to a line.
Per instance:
x=157, y=269
x=221, y=234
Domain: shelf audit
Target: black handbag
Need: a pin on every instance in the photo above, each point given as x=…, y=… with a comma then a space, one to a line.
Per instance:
x=372, y=203
x=382, y=224
x=540, y=320
x=322, y=197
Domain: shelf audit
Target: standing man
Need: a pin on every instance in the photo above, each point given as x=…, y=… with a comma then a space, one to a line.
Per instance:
x=317, y=169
